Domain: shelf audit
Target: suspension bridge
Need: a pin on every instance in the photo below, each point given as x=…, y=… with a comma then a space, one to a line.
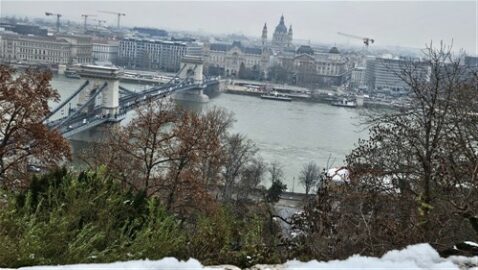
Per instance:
x=102, y=100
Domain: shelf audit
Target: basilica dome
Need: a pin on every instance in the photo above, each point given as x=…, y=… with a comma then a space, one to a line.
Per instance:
x=281, y=28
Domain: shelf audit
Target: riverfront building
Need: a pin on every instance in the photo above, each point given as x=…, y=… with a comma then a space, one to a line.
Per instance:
x=155, y=54
x=105, y=51
x=382, y=74
x=304, y=66
x=38, y=50
x=81, y=48
x=314, y=68
x=227, y=59
x=253, y=61
x=358, y=78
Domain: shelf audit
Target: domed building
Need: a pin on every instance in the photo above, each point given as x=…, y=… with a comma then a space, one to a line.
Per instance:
x=282, y=38
x=334, y=50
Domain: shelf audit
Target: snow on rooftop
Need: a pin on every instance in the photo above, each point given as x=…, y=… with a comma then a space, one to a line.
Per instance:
x=416, y=257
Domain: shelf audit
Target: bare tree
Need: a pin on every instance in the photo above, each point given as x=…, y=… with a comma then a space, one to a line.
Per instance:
x=23, y=136
x=251, y=177
x=413, y=179
x=137, y=154
x=309, y=177
x=197, y=146
x=238, y=152
x=276, y=172
x=218, y=122
x=422, y=160
x=167, y=152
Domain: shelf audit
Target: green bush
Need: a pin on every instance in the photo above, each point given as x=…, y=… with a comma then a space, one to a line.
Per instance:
x=231, y=238
x=63, y=218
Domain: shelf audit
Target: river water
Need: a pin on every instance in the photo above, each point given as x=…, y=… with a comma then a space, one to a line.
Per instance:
x=291, y=133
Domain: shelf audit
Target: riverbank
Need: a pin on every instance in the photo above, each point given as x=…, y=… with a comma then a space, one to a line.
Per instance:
x=324, y=99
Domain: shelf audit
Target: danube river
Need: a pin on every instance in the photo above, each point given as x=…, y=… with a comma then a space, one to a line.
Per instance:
x=291, y=133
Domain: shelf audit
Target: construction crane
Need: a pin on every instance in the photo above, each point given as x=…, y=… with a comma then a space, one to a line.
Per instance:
x=86, y=18
x=57, y=19
x=119, y=14
x=366, y=41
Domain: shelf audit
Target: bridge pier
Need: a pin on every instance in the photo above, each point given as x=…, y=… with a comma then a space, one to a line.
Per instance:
x=191, y=69
x=193, y=95
x=98, y=75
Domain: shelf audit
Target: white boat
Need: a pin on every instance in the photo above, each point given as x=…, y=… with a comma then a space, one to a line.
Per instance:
x=72, y=74
x=344, y=103
x=276, y=96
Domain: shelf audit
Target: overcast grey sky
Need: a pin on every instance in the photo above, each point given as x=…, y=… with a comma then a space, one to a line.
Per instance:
x=405, y=23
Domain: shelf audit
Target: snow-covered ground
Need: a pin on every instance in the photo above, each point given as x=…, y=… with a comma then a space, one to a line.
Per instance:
x=416, y=257
x=421, y=256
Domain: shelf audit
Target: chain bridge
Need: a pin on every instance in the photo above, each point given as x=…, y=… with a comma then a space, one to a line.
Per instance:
x=101, y=99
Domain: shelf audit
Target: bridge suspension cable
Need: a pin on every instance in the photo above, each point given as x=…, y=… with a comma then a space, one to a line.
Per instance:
x=127, y=91
x=91, y=99
x=66, y=101
x=176, y=75
x=154, y=89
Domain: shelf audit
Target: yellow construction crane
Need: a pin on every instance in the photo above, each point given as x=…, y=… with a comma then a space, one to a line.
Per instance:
x=85, y=16
x=119, y=14
x=366, y=40
x=57, y=19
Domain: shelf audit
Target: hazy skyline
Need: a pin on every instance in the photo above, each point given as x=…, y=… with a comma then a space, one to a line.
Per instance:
x=408, y=23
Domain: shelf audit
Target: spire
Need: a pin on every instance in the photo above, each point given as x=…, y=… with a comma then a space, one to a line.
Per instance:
x=282, y=19
x=289, y=35
x=264, y=35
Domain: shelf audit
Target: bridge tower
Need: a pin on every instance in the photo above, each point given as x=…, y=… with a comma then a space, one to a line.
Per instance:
x=98, y=75
x=191, y=69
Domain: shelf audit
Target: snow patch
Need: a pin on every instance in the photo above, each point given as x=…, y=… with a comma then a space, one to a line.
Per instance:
x=471, y=243
x=416, y=257
x=163, y=264
x=338, y=175
x=421, y=256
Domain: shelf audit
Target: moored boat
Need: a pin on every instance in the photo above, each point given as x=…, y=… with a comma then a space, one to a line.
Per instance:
x=344, y=103
x=276, y=96
x=72, y=75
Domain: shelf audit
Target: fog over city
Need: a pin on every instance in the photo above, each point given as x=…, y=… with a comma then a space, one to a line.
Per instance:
x=406, y=23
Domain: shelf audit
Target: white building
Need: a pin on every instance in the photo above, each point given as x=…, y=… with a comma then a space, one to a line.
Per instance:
x=81, y=48
x=40, y=50
x=358, y=77
x=34, y=50
x=315, y=69
x=383, y=74
x=227, y=59
x=105, y=51
x=153, y=54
